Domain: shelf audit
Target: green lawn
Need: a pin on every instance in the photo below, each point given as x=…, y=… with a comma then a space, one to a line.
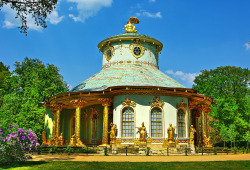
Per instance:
x=131, y=165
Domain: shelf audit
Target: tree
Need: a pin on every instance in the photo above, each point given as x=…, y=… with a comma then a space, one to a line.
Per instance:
x=4, y=73
x=39, y=9
x=224, y=134
x=30, y=82
x=228, y=86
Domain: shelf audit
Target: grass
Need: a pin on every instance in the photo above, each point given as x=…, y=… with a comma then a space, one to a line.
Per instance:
x=129, y=165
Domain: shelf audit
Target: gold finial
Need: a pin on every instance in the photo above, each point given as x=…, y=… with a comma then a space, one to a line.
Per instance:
x=130, y=25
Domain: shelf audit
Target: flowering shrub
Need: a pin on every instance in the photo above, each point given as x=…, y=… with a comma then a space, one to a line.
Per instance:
x=15, y=142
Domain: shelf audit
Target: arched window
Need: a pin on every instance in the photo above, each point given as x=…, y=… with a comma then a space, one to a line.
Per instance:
x=181, y=123
x=156, y=122
x=128, y=122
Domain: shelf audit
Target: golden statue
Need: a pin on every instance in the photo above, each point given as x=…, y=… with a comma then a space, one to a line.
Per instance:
x=113, y=133
x=143, y=133
x=171, y=133
x=44, y=137
x=191, y=134
x=73, y=140
x=61, y=140
x=130, y=25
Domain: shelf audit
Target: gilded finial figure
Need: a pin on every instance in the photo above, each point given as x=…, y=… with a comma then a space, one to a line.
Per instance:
x=130, y=25
x=171, y=133
x=143, y=133
x=113, y=133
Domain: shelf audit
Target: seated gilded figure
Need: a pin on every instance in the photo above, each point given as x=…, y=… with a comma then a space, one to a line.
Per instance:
x=73, y=140
x=143, y=133
x=171, y=131
x=61, y=140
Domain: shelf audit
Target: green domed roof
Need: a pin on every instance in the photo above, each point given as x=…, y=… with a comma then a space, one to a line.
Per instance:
x=127, y=75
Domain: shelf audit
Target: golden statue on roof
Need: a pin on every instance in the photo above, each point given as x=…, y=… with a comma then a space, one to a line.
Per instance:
x=130, y=25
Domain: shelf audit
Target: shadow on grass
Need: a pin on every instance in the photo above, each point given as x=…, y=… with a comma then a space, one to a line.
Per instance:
x=132, y=165
x=24, y=164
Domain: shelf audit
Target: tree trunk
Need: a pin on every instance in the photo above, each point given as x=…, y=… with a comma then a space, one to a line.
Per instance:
x=224, y=144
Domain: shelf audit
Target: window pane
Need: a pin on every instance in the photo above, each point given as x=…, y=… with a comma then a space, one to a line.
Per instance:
x=181, y=123
x=156, y=122
x=128, y=122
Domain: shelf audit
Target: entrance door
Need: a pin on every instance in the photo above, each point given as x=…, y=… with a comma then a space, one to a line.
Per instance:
x=94, y=129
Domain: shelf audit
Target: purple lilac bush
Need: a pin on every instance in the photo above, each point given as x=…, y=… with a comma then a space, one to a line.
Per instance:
x=15, y=143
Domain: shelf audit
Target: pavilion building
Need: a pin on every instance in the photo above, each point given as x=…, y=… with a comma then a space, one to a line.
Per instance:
x=129, y=89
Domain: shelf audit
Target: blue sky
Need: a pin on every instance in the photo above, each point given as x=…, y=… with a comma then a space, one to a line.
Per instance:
x=196, y=34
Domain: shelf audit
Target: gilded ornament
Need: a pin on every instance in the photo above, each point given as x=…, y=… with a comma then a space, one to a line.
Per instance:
x=130, y=25
x=181, y=104
x=157, y=102
x=128, y=102
x=109, y=51
x=137, y=49
x=78, y=103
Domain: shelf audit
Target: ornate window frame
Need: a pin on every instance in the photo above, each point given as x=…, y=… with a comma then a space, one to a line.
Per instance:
x=128, y=103
x=182, y=106
x=157, y=104
x=150, y=123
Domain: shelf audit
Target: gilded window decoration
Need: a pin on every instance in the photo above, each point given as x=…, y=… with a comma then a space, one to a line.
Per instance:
x=137, y=49
x=157, y=102
x=128, y=102
x=128, y=122
x=181, y=104
x=109, y=51
x=181, y=123
x=156, y=122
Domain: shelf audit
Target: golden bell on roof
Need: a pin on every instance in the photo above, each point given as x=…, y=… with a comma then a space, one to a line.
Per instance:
x=130, y=25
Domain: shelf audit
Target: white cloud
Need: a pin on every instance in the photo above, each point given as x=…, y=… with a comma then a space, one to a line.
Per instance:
x=152, y=0
x=187, y=77
x=148, y=14
x=247, y=45
x=54, y=18
x=10, y=20
x=88, y=8
x=71, y=8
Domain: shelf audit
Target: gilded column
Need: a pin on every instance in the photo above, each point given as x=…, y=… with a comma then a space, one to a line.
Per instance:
x=78, y=104
x=105, y=102
x=203, y=123
x=58, y=109
x=85, y=124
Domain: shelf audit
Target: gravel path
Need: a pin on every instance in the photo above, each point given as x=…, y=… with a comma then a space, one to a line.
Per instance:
x=91, y=158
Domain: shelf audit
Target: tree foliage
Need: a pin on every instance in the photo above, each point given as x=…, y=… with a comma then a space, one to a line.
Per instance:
x=4, y=73
x=228, y=86
x=39, y=9
x=30, y=82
